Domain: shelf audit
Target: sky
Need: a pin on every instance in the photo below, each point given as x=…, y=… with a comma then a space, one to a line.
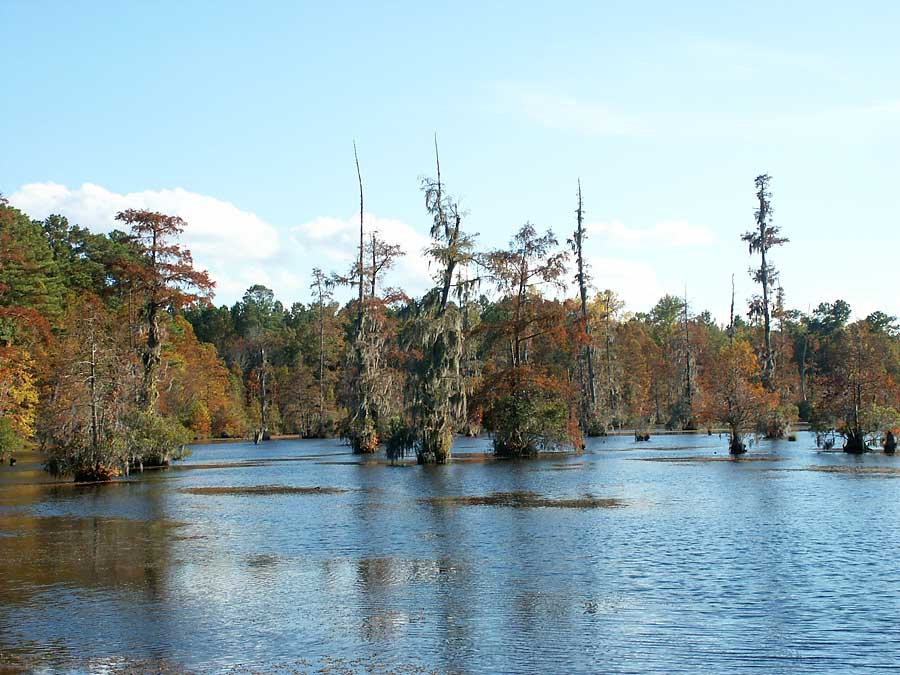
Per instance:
x=241, y=119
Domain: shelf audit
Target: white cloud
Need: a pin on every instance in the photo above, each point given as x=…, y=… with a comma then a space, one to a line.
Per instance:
x=215, y=227
x=666, y=233
x=634, y=281
x=237, y=247
x=333, y=243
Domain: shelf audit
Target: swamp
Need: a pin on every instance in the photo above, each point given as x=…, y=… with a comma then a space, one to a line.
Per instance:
x=296, y=556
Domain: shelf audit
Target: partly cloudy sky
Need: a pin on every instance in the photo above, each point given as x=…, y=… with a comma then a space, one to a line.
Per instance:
x=244, y=126
x=240, y=249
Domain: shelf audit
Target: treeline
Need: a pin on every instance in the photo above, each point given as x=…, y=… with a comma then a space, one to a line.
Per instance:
x=112, y=356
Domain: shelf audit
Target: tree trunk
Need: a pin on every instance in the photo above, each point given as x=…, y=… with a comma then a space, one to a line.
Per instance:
x=151, y=359
x=736, y=446
x=589, y=396
x=321, y=364
x=855, y=442
x=263, y=398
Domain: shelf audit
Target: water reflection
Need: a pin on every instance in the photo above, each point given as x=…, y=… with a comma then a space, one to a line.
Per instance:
x=779, y=564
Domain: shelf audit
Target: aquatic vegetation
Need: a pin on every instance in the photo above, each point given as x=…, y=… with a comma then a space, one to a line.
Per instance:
x=857, y=469
x=524, y=500
x=263, y=490
x=709, y=458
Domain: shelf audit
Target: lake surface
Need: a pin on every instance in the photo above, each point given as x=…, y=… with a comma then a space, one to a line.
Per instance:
x=764, y=565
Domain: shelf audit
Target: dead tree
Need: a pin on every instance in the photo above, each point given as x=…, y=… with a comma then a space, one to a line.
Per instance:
x=588, y=384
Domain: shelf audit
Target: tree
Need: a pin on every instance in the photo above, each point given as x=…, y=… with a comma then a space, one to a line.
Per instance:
x=437, y=399
x=86, y=418
x=164, y=278
x=87, y=262
x=734, y=394
x=526, y=408
x=259, y=319
x=369, y=386
x=669, y=378
x=638, y=355
x=588, y=399
x=381, y=257
x=18, y=399
x=761, y=240
x=857, y=394
x=321, y=286
x=30, y=293
x=879, y=322
x=604, y=319
x=29, y=276
x=197, y=388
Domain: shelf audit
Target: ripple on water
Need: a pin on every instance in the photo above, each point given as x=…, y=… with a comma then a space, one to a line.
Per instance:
x=478, y=567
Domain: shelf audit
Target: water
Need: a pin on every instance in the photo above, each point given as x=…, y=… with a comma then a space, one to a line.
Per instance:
x=705, y=566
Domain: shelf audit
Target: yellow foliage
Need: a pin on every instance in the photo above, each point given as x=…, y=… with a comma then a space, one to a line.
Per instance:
x=18, y=392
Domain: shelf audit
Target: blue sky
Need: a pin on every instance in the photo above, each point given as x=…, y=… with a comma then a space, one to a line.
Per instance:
x=242, y=120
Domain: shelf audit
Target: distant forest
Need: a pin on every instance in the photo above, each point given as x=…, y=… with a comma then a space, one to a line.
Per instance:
x=114, y=358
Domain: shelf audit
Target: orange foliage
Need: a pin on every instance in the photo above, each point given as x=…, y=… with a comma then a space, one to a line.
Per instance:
x=196, y=386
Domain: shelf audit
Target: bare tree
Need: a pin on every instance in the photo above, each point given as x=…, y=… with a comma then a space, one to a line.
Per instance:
x=586, y=362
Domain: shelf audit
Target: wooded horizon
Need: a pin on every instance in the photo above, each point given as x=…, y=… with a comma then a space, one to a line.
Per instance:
x=115, y=357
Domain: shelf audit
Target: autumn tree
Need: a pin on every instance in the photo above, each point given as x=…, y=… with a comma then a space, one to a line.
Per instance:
x=322, y=290
x=666, y=324
x=197, y=388
x=30, y=296
x=526, y=408
x=638, y=355
x=369, y=383
x=604, y=310
x=87, y=417
x=18, y=399
x=857, y=394
x=734, y=394
x=166, y=279
x=436, y=333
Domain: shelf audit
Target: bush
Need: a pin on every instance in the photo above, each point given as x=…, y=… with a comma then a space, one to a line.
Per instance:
x=10, y=441
x=531, y=418
x=154, y=440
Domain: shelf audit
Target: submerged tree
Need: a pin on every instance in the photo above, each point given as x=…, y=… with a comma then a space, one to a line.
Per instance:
x=857, y=394
x=436, y=332
x=370, y=381
x=526, y=407
x=588, y=394
x=734, y=395
x=761, y=240
x=87, y=415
